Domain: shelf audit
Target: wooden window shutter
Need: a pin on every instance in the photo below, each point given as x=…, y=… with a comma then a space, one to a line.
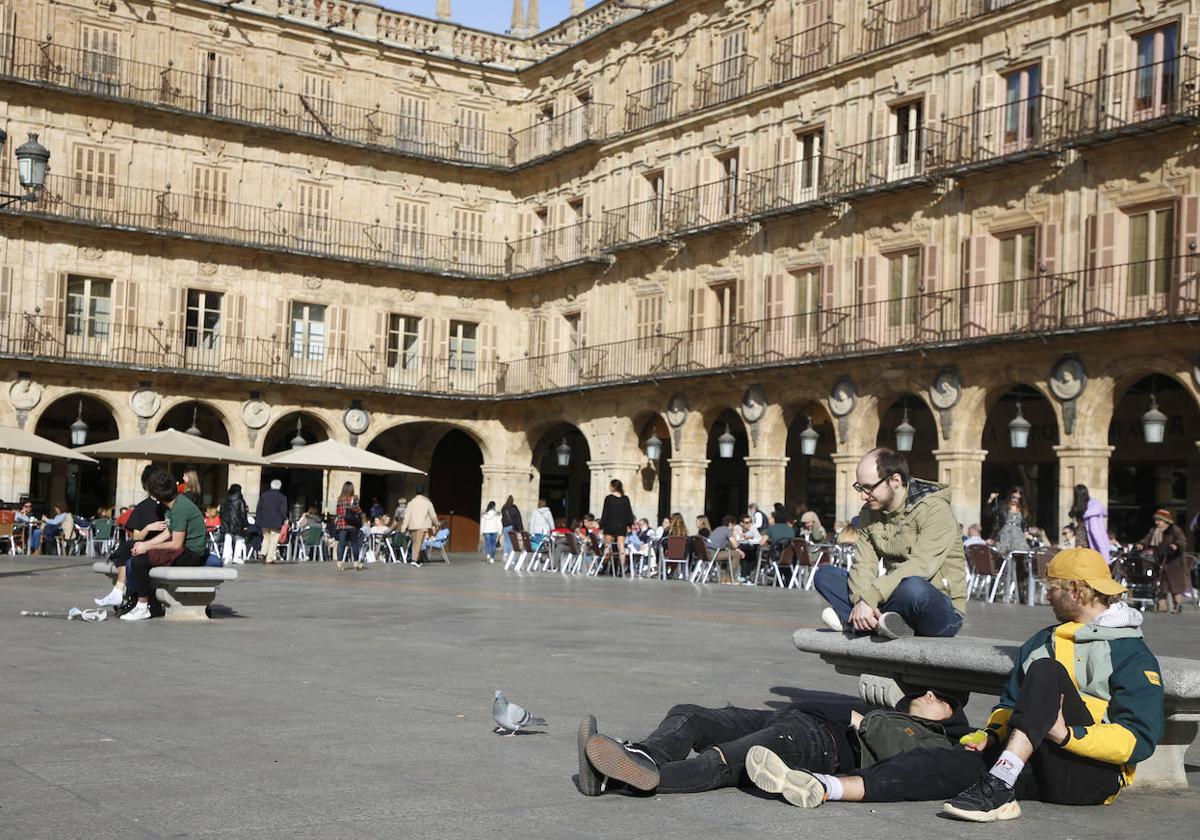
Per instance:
x=487, y=346
x=932, y=268
x=124, y=307
x=339, y=321
x=56, y=296
x=282, y=321
x=5, y=285
x=583, y=328
x=1050, y=80
x=1189, y=224
x=867, y=269
x=382, y=321
x=429, y=350
x=979, y=273
x=537, y=336
x=175, y=318
x=773, y=302
x=235, y=315
x=1118, y=59
x=1191, y=33
x=697, y=305
x=1048, y=249
x=828, y=300
x=1106, y=235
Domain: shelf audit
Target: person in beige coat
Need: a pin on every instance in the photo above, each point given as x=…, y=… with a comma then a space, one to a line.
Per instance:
x=419, y=519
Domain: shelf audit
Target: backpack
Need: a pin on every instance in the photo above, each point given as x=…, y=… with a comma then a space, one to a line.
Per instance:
x=883, y=733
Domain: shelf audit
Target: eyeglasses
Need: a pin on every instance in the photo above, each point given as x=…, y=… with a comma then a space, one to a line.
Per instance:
x=859, y=488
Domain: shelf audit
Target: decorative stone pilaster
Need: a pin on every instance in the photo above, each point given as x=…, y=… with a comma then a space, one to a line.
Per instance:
x=688, y=478
x=129, y=481
x=848, y=502
x=962, y=469
x=14, y=477
x=768, y=477
x=602, y=472
x=1087, y=465
x=334, y=479
x=502, y=480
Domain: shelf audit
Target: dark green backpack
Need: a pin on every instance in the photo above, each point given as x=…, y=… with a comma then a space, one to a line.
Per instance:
x=883, y=733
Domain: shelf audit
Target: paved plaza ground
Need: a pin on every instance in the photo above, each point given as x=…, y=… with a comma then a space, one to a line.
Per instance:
x=358, y=705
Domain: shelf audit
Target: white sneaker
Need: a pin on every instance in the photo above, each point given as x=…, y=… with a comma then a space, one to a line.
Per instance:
x=112, y=599
x=138, y=613
x=830, y=617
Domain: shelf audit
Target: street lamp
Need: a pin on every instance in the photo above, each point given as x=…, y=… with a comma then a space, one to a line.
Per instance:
x=653, y=447
x=193, y=429
x=562, y=453
x=725, y=443
x=905, y=433
x=79, y=429
x=32, y=162
x=1154, y=422
x=1018, y=429
x=298, y=441
x=808, y=439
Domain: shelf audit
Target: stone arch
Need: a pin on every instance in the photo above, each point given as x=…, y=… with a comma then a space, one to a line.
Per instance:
x=891, y=411
x=566, y=488
x=81, y=487
x=302, y=487
x=478, y=435
x=810, y=480
x=727, y=480
x=653, y=489
x=1035, y=468
x=175, y=412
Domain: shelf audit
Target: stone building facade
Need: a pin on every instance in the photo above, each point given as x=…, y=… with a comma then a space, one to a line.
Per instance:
x=686, y=221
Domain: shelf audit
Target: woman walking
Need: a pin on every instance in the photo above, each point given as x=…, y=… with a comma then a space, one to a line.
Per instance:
x=1009, y=522
x=348, y=523
x=235, y=517
x=490, y=525
x=615, y=518
x=510, y=517
x=1166, y=542
x=1091, y=523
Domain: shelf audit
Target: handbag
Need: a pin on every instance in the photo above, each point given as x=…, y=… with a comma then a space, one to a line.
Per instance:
x=352, y=518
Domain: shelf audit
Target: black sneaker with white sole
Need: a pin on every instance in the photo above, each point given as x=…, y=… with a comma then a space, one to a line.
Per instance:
x=622, y=761
x=892, y=626
x=591, y=783
x=988, y=800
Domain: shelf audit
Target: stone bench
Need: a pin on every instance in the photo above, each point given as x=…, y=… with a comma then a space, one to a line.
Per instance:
x=184, y=591
x=959, y=666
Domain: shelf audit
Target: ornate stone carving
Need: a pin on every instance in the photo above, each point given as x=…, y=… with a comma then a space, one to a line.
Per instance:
x=24, y=394
x=754, y=406
x=207, y=269
x=145, y=402
x=465, y=302
x=407, y=294
x=677, y=412
x=219, y=27
x=313, y=282
x=944, y=393
x=1068, y=380
x=322, y=51
x=255, y=414
x=356, y=420
x=90, y=252
x=842, y=399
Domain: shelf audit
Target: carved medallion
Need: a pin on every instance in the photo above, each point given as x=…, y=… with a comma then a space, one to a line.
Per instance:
x=255, y=414
x=145, y=402
x=842, y=398
x=356, y=420
x=677, y=410
x=754, y=404
x=407, y=294
x=946, y=390
x=1068, y=379
x=24, y=394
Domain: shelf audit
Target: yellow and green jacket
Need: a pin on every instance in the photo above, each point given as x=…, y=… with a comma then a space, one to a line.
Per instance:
x=1118, y=679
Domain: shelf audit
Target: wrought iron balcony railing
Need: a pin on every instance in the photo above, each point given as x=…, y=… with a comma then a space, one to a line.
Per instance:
x=803, y=183
x=724, y=81
x=891, y=22
x=210, y=95
x=803, y=54
x=1133, y=294
x=719, y=202
x=1144, y=99
x=1008, y=133
x=894, y=161
x=650, y=106
x=642, y=221
x=210, y=218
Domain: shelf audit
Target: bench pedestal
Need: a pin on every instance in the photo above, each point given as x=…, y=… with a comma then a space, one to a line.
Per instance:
x=185, y=592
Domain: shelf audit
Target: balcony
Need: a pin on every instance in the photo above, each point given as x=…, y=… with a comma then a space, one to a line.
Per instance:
x=728, y=201
x=1011, y=133
x=724, y=81
x=799, y=185
x=891, y=163
x=556, y=249
x=1147, y=99
x=804, y=54
x=46, y=64
x=639, y=223
x=205, y=218
x=650, y=106
x=1135, y=294
x=892, y=22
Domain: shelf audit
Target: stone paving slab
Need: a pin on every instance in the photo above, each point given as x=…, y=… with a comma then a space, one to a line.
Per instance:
x=358, y=705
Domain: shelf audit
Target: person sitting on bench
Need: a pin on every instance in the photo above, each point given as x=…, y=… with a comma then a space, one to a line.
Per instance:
x=1082, y=706
x=908, y=524
x=820, y=729
x=182, y=543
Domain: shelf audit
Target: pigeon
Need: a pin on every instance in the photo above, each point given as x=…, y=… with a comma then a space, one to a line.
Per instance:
x=510, y=717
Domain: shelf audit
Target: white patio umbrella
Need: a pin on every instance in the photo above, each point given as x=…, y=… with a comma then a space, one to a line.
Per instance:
x=172, y=446
x=333, y=455
x=16, y=441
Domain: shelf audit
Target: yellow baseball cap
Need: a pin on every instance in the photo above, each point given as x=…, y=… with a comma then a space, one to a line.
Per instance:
x=1087, y=565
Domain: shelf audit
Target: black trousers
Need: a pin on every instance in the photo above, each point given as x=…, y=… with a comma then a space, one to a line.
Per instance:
x=799, y=739
x=140, y=566
x=1051, y=775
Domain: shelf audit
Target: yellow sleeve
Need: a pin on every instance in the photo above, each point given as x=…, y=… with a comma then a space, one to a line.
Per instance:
x=997, y=722
x=1111, y=743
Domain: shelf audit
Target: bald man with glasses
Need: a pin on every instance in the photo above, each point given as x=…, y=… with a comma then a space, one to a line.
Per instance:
x=908, y=524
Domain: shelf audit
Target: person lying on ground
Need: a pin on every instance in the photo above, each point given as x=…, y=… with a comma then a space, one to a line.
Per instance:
x=1082, y=706
x=696, y=749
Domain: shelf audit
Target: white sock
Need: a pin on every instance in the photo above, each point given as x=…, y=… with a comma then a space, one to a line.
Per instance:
x=832, y=784
x=118, y=589
x=1007, y=768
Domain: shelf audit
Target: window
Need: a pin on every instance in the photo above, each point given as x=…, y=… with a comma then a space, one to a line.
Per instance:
x=648, y=316
x=1157, y=71
x=316, y=101
x=808, y=300
x=410, y=127
x=1022, y=89
x=210, y=192
x=537, y=336
x=313, y=204
x=410, y=228
x=661, y=90
x=732, y=72
x=808, y=165
x=473, y=129
x=658, y=199
x=1018, y=266
x=100, y=59
x=203, y=319
x=308, y=331
x=89, y=307
x=907, y=120
x=574, y=335
x=94, y=172
x=730, y=175
x=468, y=231
x=216, y=85
x=463, y=345
x=726, y=316
x=402, y=341
x=1151, y=247
x=903, y=279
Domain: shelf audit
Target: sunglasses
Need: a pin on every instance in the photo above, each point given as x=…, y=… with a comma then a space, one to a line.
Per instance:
x=859, y=488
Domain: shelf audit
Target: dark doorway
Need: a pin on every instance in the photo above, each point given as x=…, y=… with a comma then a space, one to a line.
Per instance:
x=214, y=478
x=80, y=488
x=303, y=488
x=565, y=487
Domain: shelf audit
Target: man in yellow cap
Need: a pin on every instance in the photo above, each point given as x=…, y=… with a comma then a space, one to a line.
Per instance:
x=1082, y=706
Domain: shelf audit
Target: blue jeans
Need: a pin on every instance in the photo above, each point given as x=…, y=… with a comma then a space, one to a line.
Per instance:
x=489, y=546
x=926, y=609
x=508, y=545
x=351, y=537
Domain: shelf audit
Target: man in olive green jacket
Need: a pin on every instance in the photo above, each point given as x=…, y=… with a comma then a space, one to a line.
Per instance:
x=909, y=525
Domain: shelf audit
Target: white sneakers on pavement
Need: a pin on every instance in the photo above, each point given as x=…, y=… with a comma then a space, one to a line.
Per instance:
x=140, y=612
